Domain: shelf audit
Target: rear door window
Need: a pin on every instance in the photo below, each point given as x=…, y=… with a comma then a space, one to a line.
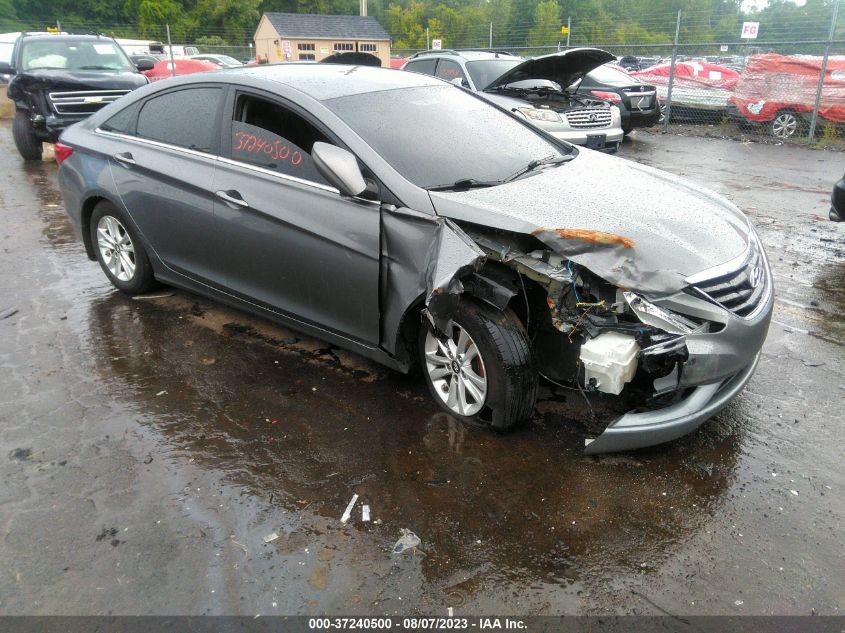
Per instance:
x=449, y=70
x=187, y=118
x=424, y=66
x=269, y=135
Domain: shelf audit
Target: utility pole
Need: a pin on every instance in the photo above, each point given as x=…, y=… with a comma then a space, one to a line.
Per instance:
x=818, y=102
x=427, y=41
x=363, y=7
x=568, y=29
x=672, y=75
x=170, y=48
x=490, y=45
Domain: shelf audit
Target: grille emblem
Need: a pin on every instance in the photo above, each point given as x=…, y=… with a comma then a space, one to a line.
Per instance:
x=593, y=118
x=756, y=276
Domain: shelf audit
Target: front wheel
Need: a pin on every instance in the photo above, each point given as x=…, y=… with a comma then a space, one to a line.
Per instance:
x=482, y=372
x=119, y=251
x=785, y=124
x=28, y=144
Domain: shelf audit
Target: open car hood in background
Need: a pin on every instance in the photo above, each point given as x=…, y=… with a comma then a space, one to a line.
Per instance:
x=564, y=68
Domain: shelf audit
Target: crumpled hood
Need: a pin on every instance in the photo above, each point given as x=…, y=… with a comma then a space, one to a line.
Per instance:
x=563, y=68
x=79, y=79
x=633, y=225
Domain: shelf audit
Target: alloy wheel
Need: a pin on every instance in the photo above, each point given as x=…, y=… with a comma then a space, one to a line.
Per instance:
x=456, y=370
x=784, y=125
x=116, y=248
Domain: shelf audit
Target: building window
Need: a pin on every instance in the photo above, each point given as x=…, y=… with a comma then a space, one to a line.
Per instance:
x=344, y=46
x=368, y=48
x=305, y=47
x=307, y=56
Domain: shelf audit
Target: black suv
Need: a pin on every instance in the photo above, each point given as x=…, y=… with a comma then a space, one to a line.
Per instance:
x=58, y=80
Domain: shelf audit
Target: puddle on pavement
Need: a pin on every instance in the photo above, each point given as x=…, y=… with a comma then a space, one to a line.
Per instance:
x=301, y=427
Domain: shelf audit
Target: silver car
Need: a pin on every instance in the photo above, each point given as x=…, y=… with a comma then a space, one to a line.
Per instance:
x=542, y=89
x=415, y=223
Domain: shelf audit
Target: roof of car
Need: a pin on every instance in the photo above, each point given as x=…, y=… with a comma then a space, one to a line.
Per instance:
x=467, y=55
x=77, y=38
x=329, y=81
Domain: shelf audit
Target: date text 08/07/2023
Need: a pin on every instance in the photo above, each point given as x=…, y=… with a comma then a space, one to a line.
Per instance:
x=417, y=623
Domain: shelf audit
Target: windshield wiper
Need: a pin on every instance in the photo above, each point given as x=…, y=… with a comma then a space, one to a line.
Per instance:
x=96, y=68
x=466, y=183
x=534, y=164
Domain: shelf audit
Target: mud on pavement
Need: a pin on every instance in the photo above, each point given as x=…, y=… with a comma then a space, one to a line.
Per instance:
x=148, y=447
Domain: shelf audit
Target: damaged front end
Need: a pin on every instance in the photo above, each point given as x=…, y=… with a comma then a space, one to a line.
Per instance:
x=595, y=334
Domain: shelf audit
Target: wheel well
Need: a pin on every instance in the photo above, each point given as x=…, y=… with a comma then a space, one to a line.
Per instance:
x=85, y=224
x=530, y=308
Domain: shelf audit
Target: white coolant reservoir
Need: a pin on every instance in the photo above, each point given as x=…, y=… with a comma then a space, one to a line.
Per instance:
x=610, y=360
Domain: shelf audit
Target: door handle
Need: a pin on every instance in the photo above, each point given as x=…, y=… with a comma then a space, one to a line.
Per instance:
x=125, y=158
x=231, y=197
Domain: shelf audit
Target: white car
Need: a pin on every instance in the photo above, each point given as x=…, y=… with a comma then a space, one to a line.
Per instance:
x=224, y=61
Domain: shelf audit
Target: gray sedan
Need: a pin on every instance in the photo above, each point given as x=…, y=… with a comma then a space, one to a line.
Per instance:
x=417, y=224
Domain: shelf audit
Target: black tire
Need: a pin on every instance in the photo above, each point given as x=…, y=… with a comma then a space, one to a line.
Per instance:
x=27, y=143
x=142, y=279
x=505, y=350
x=627, y=129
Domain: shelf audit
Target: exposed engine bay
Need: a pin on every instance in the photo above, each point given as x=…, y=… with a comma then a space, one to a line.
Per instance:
x=586, y=332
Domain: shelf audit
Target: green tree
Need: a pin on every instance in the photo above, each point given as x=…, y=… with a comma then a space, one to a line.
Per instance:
x=546, y=29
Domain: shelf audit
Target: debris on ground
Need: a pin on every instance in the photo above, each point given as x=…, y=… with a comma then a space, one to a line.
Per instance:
x=348, y=512
x=407, y=541
x=272, y=536
x=158, y=295
x=162, y=392
x=107, y=533
x=5, y=314
x=20, y=454
x=812, y=363
x=241, y=545
x=365, y=513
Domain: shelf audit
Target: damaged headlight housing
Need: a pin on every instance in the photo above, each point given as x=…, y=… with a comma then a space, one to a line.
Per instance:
x=541, y=114
x=658, y=317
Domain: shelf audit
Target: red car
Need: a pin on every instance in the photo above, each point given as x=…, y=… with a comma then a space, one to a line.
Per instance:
x=182, y=66
x=779, y=91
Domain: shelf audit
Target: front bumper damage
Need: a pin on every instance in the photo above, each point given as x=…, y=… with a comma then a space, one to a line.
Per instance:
x=694, y=355
x=647, y=428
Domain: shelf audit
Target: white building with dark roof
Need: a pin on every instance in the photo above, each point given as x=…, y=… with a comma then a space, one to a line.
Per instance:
x=290, y=37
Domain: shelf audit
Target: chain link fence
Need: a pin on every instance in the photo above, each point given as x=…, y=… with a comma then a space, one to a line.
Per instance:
x=773, y=79
x=770, y=76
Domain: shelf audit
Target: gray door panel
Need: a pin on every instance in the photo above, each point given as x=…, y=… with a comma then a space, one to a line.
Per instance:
x=301, y=249
x=168, y=193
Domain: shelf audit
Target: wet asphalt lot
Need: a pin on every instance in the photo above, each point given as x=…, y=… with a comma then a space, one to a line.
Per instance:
x=148, y=446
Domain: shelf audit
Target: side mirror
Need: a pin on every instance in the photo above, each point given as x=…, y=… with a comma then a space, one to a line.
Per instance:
x=144, y=64
x=339, y=167
x=6, y=68
x=460, y=82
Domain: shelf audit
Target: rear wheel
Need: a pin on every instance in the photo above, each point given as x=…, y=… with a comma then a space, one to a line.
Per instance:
x=785, y=124
x=119, y=251
x=28, y=144
x=482, y=372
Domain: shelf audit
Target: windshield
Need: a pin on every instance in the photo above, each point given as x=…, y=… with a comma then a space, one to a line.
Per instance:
x=486, y=71
x=6, y=51
x=229, y=61
x=606, y=74
x=74, y=55
x=437, y=135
